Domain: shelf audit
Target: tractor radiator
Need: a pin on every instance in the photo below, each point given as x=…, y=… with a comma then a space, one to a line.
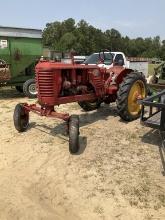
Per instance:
x=45, y=85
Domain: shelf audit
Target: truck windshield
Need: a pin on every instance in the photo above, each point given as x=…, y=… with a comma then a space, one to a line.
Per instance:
x=95, y=58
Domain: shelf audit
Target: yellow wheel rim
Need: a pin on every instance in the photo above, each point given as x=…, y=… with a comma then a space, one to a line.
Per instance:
x=137, y=91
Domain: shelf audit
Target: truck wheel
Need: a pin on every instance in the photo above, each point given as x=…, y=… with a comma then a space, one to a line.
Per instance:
x=89, y=106
x=19, y=88
x=29, y=88
x=132, y=88
x=21, y=118
x=73, y=134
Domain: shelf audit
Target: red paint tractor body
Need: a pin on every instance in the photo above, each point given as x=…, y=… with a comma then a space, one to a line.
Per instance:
x=89, y=85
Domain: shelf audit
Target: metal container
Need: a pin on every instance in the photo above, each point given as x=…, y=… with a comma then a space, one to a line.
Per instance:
x=20, y=48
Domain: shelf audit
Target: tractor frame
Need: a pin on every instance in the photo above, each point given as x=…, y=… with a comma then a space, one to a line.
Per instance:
x=60, y=83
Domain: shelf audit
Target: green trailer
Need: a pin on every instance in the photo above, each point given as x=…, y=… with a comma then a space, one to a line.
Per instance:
x=20, y=50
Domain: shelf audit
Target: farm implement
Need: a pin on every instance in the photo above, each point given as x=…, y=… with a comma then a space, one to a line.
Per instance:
x=153, y=115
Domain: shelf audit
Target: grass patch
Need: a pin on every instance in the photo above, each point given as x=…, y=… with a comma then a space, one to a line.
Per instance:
x=151, y=68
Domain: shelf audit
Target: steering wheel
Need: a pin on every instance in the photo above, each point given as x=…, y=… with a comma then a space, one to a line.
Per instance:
x=103, y=57
x=100, y=61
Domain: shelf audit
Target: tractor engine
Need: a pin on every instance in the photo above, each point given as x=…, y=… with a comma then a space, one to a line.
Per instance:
x=59, y=83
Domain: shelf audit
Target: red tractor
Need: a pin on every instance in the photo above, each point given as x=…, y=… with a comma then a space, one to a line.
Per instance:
x=60, y=83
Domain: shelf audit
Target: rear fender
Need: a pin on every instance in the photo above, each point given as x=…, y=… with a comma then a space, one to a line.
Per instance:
x=120, y=73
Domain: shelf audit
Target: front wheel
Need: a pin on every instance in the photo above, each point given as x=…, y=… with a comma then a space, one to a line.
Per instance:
x=21, y=118
x=132, y=88
x=29, y=88
x=73, y=134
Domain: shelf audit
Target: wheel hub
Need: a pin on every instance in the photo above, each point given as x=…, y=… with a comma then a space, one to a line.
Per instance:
x=137, y=91
x=32, y=89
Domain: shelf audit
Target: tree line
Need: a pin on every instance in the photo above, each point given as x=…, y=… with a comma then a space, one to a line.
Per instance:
x=85, y=39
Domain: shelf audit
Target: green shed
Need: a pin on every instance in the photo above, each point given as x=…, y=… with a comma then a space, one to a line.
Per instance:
x=20, y=49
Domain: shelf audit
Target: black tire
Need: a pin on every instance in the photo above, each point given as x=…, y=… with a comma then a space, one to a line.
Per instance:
x=21, y=118
x=127, y=110
x=89, y=106
x=73, y=134
x=29, y=88
x=19, y=88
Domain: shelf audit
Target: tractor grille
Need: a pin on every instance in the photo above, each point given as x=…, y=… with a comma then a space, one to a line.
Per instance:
x=45, y=84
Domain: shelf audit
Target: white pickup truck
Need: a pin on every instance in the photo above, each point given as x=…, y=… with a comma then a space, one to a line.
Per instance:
x=107, y=59
x=110, y=59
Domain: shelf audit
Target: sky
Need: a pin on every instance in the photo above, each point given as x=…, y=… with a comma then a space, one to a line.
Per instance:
x=134, y=18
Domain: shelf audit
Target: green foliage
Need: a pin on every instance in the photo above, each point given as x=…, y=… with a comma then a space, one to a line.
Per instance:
x=86, y=39
x=151, y=68
x=162, y=50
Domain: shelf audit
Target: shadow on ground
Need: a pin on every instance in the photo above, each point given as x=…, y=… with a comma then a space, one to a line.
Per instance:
x=10, y=93
x=154, y=137
x=85, y=119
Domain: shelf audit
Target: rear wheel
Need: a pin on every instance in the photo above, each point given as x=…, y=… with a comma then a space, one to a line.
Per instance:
x=21, y=118
x=73, y=134
x=132, y=88
x=29, y=88
x=89, y=106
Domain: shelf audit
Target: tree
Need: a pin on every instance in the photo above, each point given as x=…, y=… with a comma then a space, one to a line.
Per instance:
x=86, y=39
x=113, y=39
x=162, y=51
x=67, y=42
x=51, y=34
x=54, y=31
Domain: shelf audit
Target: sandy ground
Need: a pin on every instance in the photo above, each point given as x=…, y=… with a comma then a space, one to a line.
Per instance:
x=117, y=174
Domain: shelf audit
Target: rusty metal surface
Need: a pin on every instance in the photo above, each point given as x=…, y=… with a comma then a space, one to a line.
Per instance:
x=59, y=65
x=4, y=71
x=48, y=111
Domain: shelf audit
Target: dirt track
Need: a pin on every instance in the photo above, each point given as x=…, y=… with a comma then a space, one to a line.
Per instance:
x=116, y=175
